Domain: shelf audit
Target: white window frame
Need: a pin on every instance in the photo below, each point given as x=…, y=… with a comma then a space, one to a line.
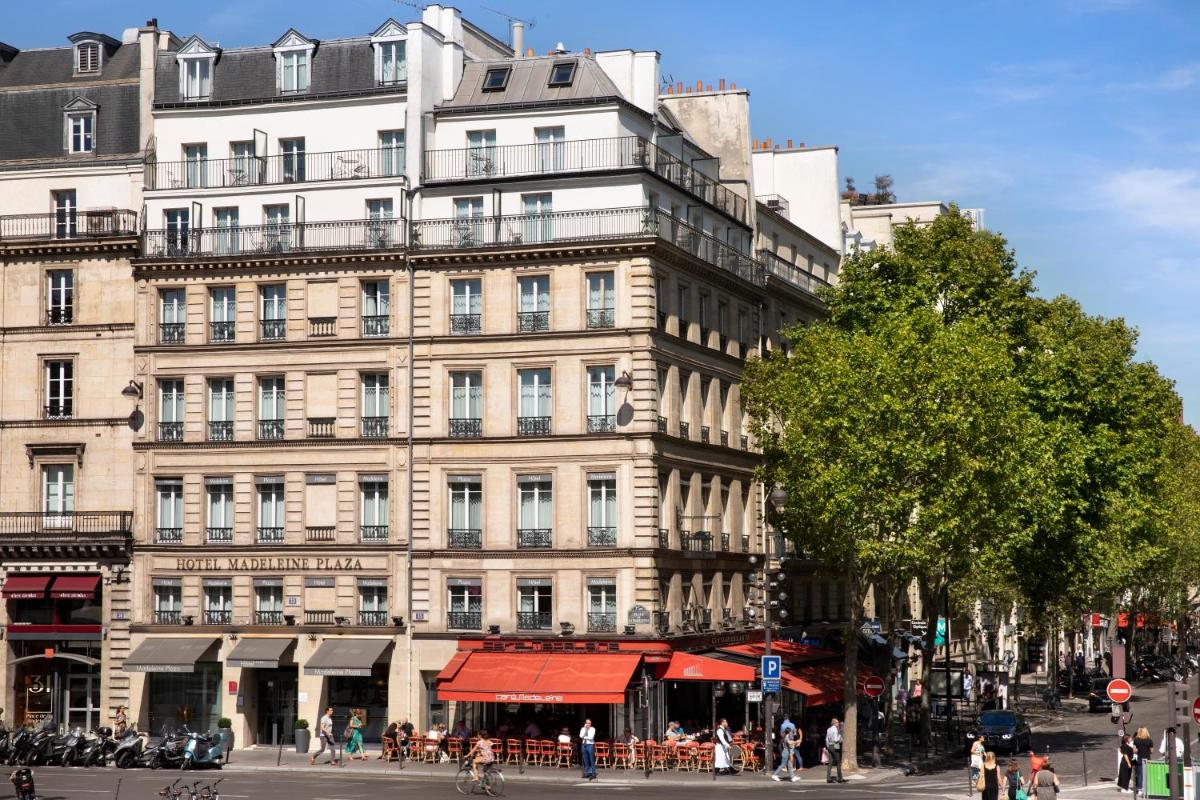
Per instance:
x=61, y=476
x=272, y=505
x=81, y=131
x=466, y=394
x=272, y=398
x=295, y=73
x=60, y=293
x=391, y=61
x=535, y=385
x=220, y=396
x=219, y=505
x=604, y=388
x=391, y=152
x=170, y=400
x=222, y=304
x=607, y=491
x=170, y=504
x=60, y=390
x=376, y=394
x=195, y=77
x=373, y=503
x=460, y=496
x=94, y=48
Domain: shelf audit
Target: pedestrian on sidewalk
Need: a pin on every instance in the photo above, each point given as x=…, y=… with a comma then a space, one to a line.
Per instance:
x=786, y=745
x=325, y=734
x=1012, y=779
x=354, y=740
x=1125, y=765
x=1162, y=746
x=1143, y=745
x=1045, y=785
x=722, y=741
x=833, y=744
x=976, y=761
x=587, y=750
x=988, y=782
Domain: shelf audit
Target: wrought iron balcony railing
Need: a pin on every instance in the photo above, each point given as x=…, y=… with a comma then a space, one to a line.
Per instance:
x=68, y=225
x=270, y=429
x=466, y=428
x=221, y=331
x=698, y=542
x=168, y=535
x=466, y=324
x=533, y=426
x=662, y=424
x=704, y=433
x=218, y=535
x=171, y=333
x=60, y=410
x=685, y=430
x=534, y=620
x=170, y=431
x=724, y=438
x=374, y=427
x=601, y=536
x=63, y=315
x=17, y=523
x=218, y=617
x=373, y=617
x=533, y=321
x=270, y=535
x=664, y=538
x=221, y=431
x=465, y=538
x=601, y=318
x=602, y=423
x=464, y=620
x=272, y=329
x=725, y=542
x=218, y=173
x=373, y=533
x=376, y=325
x=602, y=621
x=273, y=239
x=795, y=274
x=535, y=538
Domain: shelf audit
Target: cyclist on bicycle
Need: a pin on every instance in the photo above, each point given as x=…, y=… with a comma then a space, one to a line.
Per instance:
x=481, y=753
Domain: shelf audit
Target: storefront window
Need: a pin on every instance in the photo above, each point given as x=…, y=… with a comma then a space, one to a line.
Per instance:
x=180, y=698
x=367, y=693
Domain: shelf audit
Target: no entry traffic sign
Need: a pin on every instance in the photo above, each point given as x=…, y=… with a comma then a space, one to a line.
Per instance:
x=1119, y=690
x=873, y=687
x=1196, y=711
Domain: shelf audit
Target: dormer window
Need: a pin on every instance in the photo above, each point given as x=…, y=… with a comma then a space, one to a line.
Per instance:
x=196, y=77
x=496, y=78
x=87, y=58
x=293, y=55
x=562, y=73
x=79, y=126
x=393, y=66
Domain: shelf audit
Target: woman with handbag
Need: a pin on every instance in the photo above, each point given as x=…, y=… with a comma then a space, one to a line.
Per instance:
x=1013, y=781
x=354, y=740
x=977, y=750
x=989, y=779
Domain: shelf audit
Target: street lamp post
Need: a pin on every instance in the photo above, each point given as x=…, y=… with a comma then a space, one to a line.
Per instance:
x=778, y=500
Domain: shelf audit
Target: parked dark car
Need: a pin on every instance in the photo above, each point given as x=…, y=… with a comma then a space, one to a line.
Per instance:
x=1003, y=731
x=1098, y=695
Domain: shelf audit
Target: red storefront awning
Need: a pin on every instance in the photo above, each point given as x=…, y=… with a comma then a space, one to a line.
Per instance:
x=688, y=667
x=75, y=587
x=538, y=677
x=25, y=587
x=451, y=669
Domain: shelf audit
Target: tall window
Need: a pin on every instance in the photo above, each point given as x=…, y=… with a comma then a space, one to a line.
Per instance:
x=87, y=57
x=268, y=601
x=168, y=601
x=372, y=601
x=271, y=409
x=178, y=221
x=172, y=308
x=58, y=489
x=723, y=321
x=292, y=151
x=464, y=604
x=195, y=157
x=220, y=410
x=536, y=402
x=552, y=148
x=702, y=317
x=535, y=516
x=601, y=400
x=219, y=493
x=293, y=71
x=81, y=132
x=661, y=388
x=466, y=512
x=222, y=314
x=602, y=605
x=170, y=411
x=391, y=153
x=380, y=227
x=682, y=305
x=466, y=404
x=60, y=389
x=468, y=225
x=66, y=210
x=535, y=303
x=270, y=510
x=60, y=296
x=600, y=310
x=685, y=413
x=218, y=601
x=244, y=170
x=539, y=222
x=376, y=308
x=535, y=604
x=602, y=510
x=277, y=230
x=393, y=67
x=226, y=237
x=196, y=74
x=376, y=404
x=481, y=152
x=466, y=306
x=273, y=316
x=373, y=507
x=170, y=509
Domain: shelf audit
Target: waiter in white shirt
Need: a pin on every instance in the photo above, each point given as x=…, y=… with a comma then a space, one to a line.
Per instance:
x=587, y=749
x=721, y=753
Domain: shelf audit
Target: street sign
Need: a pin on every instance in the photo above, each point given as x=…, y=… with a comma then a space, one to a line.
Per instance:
x=1196, y=711
x=754, y=696
x=873, y=687
x=770, y=685
x=772, y=667
x=1119, y=690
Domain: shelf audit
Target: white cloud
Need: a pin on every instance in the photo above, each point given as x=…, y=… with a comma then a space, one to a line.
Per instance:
x=1156, y=199
x=1176, y=79
x=956, y=181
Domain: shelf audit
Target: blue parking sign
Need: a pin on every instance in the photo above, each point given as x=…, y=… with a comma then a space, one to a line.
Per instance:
x=772, y=667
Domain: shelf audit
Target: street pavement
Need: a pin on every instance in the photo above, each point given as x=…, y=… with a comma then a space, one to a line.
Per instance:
x=1073, y=737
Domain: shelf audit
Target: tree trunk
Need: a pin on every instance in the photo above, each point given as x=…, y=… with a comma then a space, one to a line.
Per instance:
x=856, y=586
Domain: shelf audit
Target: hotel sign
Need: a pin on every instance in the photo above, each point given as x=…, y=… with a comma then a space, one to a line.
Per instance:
x=269, y=564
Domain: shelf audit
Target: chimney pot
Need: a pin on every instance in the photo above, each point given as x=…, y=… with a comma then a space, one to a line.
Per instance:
x=152, y=22
x=789, y=147
x=679, y=87
x=802, y=144
x=669, y=90
x=755, y=144
x=708, y=88
x=733, y=87
x=699, y=86
x=587, y=52
x=776, y=147
x=721, y=83
x=529, y=52
x=767, y=143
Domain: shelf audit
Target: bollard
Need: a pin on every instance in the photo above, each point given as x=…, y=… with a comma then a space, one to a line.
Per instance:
x=1085, y=783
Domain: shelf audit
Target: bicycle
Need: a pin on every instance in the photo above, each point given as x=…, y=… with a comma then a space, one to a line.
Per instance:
x=171, y=792
x=210, y=792
x=490, y=783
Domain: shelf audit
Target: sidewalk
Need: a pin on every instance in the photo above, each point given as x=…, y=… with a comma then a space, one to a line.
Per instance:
x=288, y=760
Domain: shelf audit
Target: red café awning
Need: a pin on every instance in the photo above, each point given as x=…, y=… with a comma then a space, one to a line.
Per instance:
x=25, y=587
x=688, y=667
x=75, y=587
x=537, y=677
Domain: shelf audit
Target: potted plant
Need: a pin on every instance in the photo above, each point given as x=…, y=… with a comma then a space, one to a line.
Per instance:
x=302, y=735
x=225, y=736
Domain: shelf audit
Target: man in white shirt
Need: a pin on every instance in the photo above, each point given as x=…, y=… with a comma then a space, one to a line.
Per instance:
x=587, y=749
x=1162, y=746
x=833, y=745
x=325, y=733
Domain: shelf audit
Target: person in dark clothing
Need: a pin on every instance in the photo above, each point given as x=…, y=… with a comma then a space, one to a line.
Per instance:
x=1143, y=745
x=990, y=778
x=1125, y=766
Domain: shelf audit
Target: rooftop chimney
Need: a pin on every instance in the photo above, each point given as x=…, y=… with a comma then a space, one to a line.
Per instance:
x=560, y=49
x=789, y=147
x=529, y=52
x=518, y=37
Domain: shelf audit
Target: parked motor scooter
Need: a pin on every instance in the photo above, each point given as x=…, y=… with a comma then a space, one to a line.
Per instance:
x=96, y=748
x=129, y=749
x=5, y=743
x=68, y=748
x=45, y=747
x=19, y=743
x=169, y=752
x=201, y=751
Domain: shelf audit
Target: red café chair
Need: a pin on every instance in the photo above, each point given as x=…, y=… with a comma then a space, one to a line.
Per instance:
x=545, y=752
x=704, y=758
x=685, y=758
x=637, y=755
x=620, y=755
x=455, y=747
x=602, y=751
x=564, y=755
x=512, y=749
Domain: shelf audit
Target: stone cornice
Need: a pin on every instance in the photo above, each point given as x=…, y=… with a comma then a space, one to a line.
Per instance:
x=72, y=328
x=270, y=444
x=103, y=244
x=147, y=265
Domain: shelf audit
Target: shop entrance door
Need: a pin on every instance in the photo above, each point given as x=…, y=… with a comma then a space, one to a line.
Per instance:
x=276, y=700
x=81, y=699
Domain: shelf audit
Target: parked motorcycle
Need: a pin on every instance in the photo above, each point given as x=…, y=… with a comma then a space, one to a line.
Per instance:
x=96, y=748
x=5, y=743
x=69, y=748
x=201, y=751
x=19, y=745
x=45, y=747
x=129, y=750
x=169, y=752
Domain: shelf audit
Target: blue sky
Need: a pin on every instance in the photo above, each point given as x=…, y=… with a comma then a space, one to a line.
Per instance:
x=1073, y=122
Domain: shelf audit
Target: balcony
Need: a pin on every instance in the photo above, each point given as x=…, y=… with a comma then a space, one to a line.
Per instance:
x=465, y=538
x=602, y=622
x=464, y=620
x=698, y=542
x=319, y=327
x=602, y=423
x=724, y=438
x=320, y=427
x=168, y=535
x=168, y=617
x=533, y=321
x=218, y=535
x=270, y=429
x=220, y=431
x=534, y=620
x=601, y=536
x=466, y=324
x=373, y=618
x=745, y=543
x=533, y=426
x=273, y=239
x=685, y=430
x=221, y=332
x=377, y=325
x=170, y=431
x=744, y=441
x=601, y=318
x=664, y=539
x=170, y=333
x=272, y=330
x=373, y=534
x=704, y=433
x=320, y=533
x=579, y=156
x=67, y=226
x=270, y=535
x=724, y=542
x=775, y=202
x=64, y=315
x=796, y=274
x=467, y=428
x=218, y=617
x=318, y=617
x=268, y=617
x=374, y=427
x=82, y=534
x=534, y=538
x=662, y=424
x=224, y=173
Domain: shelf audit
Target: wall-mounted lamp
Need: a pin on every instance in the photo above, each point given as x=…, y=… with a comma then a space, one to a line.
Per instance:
x=398, y=622
x=624, y=382
x=289, y=619
x=119, y=576
x=188, y=619
x=312, y=637
x=568, y=628
x=233, y=637
x=630, y=630
x=494, y=630
x=340, y=621
x=133, y=391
